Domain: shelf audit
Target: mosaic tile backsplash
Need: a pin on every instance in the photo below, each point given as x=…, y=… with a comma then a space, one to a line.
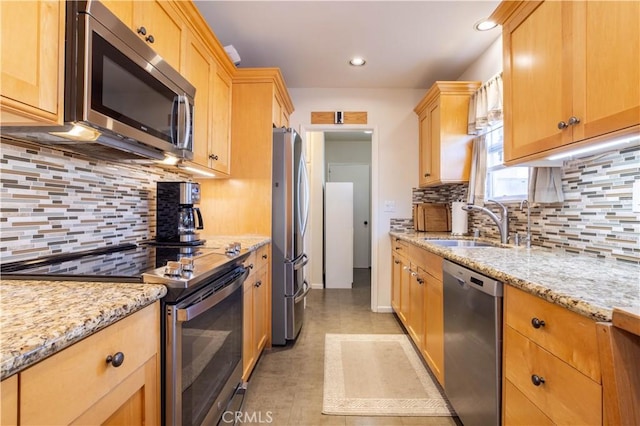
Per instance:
x=595, y=219
x=53, y=202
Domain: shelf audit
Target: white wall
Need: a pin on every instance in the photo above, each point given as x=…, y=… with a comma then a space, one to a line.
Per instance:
x=487, y=65
x=394, y=160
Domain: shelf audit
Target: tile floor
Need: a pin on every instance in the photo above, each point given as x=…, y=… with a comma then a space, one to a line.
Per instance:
x=286, y=385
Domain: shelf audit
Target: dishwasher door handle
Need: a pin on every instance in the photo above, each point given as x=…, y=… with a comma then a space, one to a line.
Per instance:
x=460, y=281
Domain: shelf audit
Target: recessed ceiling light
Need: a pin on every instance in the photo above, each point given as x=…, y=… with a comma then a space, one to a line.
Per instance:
x=484, y=25
x=357, y=61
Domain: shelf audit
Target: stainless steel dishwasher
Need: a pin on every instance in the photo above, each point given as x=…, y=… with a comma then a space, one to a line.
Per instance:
x=472, y=344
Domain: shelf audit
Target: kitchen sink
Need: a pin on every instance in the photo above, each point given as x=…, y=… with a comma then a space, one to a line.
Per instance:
x=460, y=243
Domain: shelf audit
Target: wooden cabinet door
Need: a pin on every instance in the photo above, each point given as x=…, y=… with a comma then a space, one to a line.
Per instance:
x=199, y=68
x=31, y=69
x=162, y=22
x=220, y=145
x=424, y=163
x=248, y=352
x=123, y=9
x=537, y=78
x=434, y=327
x=260, y=289
x=405, y=285
x=9, y=401
x=416, y=311
x=77, y=385
x=396, y=266
x=607, y=64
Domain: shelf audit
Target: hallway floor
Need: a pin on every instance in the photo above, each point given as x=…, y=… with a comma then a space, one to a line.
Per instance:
x=286, y=385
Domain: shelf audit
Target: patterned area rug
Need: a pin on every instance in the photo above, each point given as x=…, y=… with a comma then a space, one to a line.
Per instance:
x=378, y=375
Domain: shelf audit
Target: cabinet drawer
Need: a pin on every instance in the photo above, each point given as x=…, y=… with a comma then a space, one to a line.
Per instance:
x=262, y=256
x=566, y=396
x=431, y=263
x=399, y=246
x=62, y=387
x=250, y=262
x=569, y=336
x=519, y=411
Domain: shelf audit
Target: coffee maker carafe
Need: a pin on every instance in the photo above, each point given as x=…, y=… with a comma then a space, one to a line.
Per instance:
x=176, y=217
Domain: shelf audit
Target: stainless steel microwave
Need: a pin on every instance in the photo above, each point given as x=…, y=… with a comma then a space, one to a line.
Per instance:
x=121, y=99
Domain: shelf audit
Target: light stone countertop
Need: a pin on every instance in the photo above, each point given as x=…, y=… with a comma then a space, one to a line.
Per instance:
x=589, y=286
x=250, y=242
x=39, y=318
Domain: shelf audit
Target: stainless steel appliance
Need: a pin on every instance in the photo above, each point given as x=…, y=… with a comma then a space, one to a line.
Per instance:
x=177, y=218
x=289, y=222
x=472, y=344
x=122, y=100
x=201, y=324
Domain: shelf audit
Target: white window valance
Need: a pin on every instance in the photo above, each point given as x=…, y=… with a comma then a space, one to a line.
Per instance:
x=485, y=105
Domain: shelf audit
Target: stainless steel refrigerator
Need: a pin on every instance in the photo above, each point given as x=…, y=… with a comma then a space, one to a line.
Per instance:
x=290, y=215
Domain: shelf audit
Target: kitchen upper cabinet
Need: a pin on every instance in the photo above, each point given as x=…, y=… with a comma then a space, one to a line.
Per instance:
x=571, y=73
x=157, y=22
x=247, y=208
x=162, y=27
x=32, y=63
x=200, y=68
x=444, y=146
x=220, y=143
x=89, y=383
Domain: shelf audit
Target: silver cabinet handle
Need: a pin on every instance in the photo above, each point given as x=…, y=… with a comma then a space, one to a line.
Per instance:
x=573, y=120
x=562, y=125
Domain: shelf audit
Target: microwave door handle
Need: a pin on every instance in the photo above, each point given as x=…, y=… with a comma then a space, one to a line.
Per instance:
x=200, y=221
x=184, y=143
x=174, y=118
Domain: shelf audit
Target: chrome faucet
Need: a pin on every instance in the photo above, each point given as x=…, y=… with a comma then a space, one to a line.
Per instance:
x=528, y=238
x=502, y=222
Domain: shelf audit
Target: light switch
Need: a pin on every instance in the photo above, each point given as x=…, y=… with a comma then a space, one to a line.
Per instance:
x=389, y=206
x=635, y=198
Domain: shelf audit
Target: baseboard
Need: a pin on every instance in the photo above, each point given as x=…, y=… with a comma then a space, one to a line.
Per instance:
x=317, y=286
x=384, y=310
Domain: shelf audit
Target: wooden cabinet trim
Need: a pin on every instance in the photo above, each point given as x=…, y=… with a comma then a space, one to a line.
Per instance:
x=9, y=401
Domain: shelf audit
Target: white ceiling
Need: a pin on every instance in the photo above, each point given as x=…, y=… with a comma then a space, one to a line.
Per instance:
x=407, y=44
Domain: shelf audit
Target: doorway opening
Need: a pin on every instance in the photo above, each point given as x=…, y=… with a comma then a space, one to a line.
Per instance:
x=343, y=155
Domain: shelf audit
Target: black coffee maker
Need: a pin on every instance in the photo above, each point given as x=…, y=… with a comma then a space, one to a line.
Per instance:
x=176, y=217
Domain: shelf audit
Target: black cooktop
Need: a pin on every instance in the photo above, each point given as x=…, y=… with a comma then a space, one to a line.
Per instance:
x=125, y=263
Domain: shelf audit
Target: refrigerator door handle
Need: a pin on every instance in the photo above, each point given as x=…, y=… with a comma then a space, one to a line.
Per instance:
x=302, y=260
x=303, y=186
x=305, y=291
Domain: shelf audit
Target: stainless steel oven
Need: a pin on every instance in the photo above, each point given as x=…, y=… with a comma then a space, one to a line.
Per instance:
x=203, y=351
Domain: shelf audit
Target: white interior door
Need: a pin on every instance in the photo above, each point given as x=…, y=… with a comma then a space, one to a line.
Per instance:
x=359, y=174
x=338, y=234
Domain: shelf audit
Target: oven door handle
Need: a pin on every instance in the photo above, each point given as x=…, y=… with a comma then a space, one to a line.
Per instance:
x=193, y=311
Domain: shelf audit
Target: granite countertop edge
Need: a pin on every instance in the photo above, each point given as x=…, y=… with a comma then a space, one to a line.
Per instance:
x=581, y=301
x=41, y=318
x=249, y=242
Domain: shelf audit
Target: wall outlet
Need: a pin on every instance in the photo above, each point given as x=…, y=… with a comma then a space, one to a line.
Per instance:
x=389, y=206
x=635, y=198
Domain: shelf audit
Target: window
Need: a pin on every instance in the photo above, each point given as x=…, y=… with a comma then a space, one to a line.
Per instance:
x=503, y=183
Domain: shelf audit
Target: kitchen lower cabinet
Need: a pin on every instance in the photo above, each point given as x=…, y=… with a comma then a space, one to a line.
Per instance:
x=416, y=323
x=257, y=309
x=571, y=72
x=551, y=359
x=9, y=401
x=32, y=63
x=417, y=299
x=88, y=383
